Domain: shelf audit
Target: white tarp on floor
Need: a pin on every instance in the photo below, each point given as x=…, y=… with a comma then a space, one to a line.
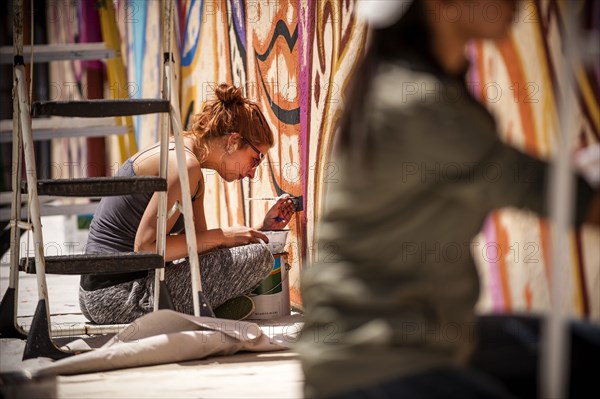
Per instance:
x=166, y=336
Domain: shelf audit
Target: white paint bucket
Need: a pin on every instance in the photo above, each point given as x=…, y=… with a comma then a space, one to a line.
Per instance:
x=272, y=297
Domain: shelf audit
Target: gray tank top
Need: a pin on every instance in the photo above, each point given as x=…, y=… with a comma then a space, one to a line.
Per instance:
x=114, y=227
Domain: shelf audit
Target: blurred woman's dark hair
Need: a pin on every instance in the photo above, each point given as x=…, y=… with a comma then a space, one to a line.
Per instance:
x=409, y=39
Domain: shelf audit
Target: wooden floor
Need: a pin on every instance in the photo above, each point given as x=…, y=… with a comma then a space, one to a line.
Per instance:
x=245, y=375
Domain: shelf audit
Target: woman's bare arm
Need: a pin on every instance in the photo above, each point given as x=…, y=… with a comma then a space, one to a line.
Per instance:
x=206, y=240
x=145, y=239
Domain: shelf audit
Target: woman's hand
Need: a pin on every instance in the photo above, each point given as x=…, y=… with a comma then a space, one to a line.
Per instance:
x=280, y=214
x=241, y=235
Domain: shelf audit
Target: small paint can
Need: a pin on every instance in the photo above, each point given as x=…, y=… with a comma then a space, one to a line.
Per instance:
x=272, y=297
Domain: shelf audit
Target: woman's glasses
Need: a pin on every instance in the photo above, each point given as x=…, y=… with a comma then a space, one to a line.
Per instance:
x=261, y=156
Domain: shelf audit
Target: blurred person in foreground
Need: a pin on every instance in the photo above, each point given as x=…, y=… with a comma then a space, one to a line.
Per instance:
x=390, y=302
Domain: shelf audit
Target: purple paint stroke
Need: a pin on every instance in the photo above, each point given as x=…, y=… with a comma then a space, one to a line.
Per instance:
x=238, y=6
x=89, y=31
x=304, y=21
x=474, y=75
x=489, y=233
x=595, y=27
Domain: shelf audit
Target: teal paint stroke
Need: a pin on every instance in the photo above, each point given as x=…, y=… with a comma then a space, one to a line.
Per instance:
x=140, y=8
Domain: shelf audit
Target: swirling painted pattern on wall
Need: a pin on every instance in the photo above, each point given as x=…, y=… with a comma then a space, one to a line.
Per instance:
x=295, y=58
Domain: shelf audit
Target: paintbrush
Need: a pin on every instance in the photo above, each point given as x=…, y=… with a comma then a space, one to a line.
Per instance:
x=263, y=199
x=297, y=201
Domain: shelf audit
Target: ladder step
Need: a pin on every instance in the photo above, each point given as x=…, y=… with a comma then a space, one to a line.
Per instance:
x=100, y=108
x=59, y=52
x=99, y=186
x=52, y=210
x=95, y=263
x=52, y=128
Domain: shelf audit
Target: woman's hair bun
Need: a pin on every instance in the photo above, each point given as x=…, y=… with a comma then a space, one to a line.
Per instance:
x=228, y=94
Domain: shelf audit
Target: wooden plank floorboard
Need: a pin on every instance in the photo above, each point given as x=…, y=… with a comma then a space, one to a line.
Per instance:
x=273, y=375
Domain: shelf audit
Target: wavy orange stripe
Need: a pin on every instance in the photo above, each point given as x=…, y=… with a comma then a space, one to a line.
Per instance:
x=514, y=66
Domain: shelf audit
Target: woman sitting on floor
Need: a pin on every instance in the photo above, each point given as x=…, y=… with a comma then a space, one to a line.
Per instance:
x=229, y=136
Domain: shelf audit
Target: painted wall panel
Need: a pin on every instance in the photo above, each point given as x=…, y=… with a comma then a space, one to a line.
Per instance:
x=528, y=69
x=295, y=58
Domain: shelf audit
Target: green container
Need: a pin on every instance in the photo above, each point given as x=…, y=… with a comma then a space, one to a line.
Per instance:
x=272, y=297
x=272, y=284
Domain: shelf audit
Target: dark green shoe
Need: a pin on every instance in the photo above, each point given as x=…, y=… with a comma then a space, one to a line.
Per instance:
x=238, y=308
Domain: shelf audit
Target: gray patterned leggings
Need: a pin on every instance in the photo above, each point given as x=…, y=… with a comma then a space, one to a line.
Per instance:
x=226, y=273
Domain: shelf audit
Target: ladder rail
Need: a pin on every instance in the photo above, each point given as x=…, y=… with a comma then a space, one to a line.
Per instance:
x=31, y=174
x=161, y=216
x=201, y=305
x=161, y=221
x=175, y=124
x=15, y=211
x=190, y=230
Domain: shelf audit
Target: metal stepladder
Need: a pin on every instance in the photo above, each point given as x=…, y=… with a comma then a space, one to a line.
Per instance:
x=39, y=341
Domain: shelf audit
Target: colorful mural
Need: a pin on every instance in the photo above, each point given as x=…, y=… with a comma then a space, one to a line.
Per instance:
x=334, y=42
x=295, y=58
x=519, y=80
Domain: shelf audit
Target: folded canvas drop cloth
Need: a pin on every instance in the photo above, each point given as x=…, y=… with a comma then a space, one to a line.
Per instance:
x=166, y=336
